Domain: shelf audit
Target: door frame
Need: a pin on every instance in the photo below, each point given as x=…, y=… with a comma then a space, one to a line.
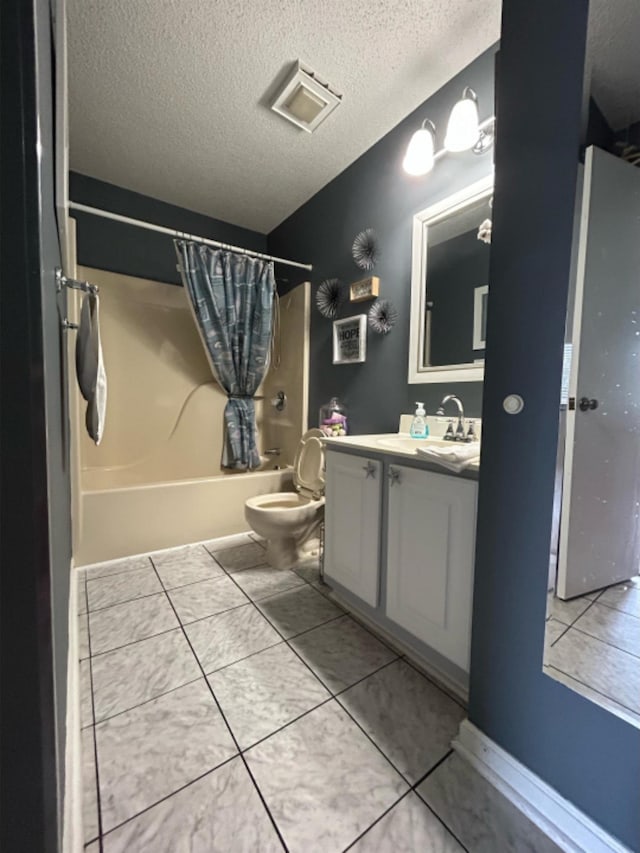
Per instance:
x=31, y=797
x=570, y=414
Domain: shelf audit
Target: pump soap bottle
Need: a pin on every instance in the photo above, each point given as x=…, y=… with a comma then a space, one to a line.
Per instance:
x=419, y=428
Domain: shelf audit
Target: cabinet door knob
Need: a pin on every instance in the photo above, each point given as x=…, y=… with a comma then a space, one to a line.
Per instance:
x=586, y=404
x=370, y=470
x=394, y=476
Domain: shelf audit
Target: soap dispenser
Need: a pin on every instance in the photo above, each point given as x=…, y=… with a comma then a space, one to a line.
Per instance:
x=419, y=428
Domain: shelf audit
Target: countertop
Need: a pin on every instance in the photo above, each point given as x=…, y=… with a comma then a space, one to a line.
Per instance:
x=371, y=444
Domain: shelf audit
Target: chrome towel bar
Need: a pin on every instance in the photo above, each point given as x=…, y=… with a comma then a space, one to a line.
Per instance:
x=74, y=283
x=63, y=281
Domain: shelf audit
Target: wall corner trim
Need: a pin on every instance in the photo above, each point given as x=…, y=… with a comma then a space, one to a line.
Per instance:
x=72, y=836
x=566, y=825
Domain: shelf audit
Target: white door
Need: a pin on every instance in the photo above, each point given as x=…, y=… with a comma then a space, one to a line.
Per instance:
x=352, y=524
x=430, y=554
x=600, y=523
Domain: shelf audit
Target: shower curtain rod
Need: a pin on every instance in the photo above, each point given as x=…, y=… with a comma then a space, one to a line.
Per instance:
x=106, y=214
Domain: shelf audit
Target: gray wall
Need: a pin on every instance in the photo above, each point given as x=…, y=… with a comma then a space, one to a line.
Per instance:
x=374, y=192
x=126, y=249
x=587, y=754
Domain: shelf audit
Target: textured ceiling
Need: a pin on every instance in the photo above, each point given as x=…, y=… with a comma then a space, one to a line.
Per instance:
x=613, y=53
x=167, y=97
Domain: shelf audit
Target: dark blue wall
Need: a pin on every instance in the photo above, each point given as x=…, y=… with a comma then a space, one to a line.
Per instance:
x=598, y=130
x=589, y=755
x=374, y=192
x=35, y=510
x=126, y=249
x=456, y=267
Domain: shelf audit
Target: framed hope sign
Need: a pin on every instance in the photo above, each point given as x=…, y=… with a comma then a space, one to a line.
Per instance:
x=350, y=340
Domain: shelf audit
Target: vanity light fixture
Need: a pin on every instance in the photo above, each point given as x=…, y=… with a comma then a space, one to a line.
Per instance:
x=419, y=158
x=463, y=127
x=464, y=133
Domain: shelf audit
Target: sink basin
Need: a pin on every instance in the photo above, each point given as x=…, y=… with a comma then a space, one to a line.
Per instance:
x=407, y=444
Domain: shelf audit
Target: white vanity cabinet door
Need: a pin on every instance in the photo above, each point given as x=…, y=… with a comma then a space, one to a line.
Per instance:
x=430, y=558
x=352, y=524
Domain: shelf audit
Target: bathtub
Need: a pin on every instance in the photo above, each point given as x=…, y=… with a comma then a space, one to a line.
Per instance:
x=122, y=520
x=155, y=479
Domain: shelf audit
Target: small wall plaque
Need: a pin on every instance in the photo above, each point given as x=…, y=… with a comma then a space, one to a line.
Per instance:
x=368, y=288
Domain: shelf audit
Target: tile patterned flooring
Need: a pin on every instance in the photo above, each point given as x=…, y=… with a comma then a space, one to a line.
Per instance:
x=227, y=706
x=592, y=644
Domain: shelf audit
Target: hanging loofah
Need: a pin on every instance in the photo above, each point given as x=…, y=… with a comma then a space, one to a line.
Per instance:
x=330, y=296
x=382, y=316
x=365, y=249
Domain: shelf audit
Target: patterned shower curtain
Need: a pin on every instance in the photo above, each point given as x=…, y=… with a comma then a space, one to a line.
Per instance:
x=232, y=299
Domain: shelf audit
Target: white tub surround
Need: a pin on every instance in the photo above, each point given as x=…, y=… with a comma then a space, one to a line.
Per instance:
x=155, y=480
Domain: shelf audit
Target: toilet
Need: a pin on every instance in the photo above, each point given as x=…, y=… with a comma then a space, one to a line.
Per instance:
x=289, y=520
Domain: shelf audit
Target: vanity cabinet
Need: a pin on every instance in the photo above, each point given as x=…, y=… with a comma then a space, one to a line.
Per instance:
x=431, y=522
x=401, y=539
x=352, y=524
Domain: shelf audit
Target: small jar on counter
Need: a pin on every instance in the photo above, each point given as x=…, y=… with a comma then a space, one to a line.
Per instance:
x=333, y=418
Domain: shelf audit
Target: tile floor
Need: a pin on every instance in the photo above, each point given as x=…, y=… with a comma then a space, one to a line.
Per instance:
x=593, y=645
x=227, y=706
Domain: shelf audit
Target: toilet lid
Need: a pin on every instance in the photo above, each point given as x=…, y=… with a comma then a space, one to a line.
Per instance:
x=308, y=467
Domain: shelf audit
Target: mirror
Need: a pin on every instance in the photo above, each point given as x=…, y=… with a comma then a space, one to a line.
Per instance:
x=592, y=636
x=450, y=286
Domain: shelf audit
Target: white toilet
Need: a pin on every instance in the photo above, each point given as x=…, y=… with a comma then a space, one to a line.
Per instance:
x=289, y=520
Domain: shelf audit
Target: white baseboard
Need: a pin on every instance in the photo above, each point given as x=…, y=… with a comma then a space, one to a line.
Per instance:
x=72, y=833
x=566, y=825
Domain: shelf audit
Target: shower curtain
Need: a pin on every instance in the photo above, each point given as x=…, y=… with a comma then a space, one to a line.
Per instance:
x=232, y=299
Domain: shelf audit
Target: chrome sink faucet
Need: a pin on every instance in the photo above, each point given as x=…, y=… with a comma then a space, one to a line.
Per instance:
x=459, y=433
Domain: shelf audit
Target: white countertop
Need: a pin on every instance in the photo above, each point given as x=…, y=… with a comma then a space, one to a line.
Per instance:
x=376, y=444
x=369, y=442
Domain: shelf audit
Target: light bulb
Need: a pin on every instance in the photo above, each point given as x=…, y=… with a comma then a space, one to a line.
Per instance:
x=462, y=130
x=419, y=157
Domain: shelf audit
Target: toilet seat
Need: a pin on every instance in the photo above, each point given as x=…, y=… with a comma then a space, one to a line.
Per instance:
x=282, y=501
x=308, y=466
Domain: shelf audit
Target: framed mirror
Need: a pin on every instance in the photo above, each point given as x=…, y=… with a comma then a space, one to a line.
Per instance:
x=449, y=287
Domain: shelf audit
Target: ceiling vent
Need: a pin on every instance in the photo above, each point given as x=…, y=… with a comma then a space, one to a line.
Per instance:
x=304, y=100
